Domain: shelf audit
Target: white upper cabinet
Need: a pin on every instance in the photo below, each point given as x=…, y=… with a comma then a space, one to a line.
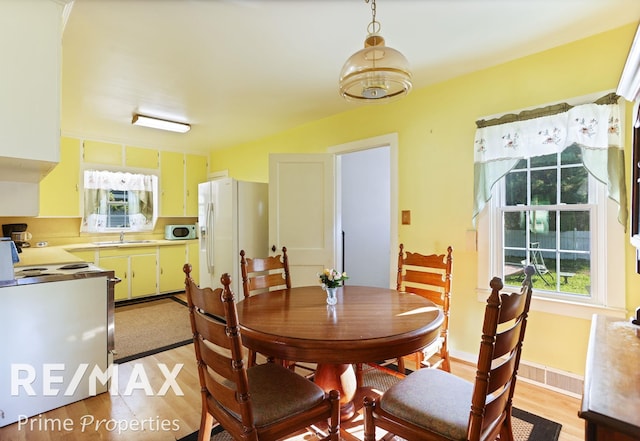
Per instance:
x=31, y=47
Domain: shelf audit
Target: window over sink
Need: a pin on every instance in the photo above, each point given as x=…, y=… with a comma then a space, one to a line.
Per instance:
x=119, y=201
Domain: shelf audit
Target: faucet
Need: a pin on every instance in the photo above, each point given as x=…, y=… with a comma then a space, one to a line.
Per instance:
x=121, y=236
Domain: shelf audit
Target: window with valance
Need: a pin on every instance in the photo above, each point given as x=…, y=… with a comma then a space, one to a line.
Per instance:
x=542, y=181
x=119, y=201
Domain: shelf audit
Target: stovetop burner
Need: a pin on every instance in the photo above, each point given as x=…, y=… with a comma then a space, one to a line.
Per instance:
x=32, y=272
x=73, y=266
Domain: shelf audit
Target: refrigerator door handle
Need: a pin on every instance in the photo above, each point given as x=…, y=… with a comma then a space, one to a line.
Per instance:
x=210, y=237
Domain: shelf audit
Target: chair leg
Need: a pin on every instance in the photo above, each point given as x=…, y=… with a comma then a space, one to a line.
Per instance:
x=401, y=368
x=419, y=357
x=506, y=431
x=369, y=425
x=446, y=363
x=334, y=422
x=359, y=370
x=206, y=424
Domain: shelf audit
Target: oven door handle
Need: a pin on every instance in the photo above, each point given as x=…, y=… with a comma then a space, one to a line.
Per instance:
x=115, y=280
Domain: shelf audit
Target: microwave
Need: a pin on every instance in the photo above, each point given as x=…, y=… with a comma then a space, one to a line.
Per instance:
x=180, y=232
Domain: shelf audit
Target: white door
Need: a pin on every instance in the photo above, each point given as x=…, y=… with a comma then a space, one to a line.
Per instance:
x=365, y=193
x=302, y=213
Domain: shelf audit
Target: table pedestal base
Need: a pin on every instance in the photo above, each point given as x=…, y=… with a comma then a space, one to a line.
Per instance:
x=342, y=378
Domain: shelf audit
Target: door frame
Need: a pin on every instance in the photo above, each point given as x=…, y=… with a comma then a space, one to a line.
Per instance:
x=390, y=140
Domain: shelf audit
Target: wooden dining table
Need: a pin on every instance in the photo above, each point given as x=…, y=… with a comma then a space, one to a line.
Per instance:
x=368, y=324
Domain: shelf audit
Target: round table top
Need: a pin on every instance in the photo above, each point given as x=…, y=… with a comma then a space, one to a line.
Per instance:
x=367, y=324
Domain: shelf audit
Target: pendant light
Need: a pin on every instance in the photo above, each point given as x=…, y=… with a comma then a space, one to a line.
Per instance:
x=376, y=73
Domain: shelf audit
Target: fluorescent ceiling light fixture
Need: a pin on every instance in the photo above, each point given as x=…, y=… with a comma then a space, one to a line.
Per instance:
x=162, y=124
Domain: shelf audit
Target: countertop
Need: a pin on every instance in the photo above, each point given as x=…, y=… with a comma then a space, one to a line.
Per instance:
x=46, y=256
x=611, y=397
x=54, y=255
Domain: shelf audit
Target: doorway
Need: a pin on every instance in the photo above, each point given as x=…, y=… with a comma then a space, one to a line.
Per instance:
x=366, y=204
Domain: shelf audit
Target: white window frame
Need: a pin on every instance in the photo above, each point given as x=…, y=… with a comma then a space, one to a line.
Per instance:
x=608, y=263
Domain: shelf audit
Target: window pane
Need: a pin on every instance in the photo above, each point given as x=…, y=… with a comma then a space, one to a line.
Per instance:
x=544, y=263
x=543, y=187
x=574, y=188
x=516, y=188
x=575, y=231
x=542, y=228
x=575, y=273
x=544, y=161
x=117, y=209
x=515, y=234
x=522, y=164
x=571, y=155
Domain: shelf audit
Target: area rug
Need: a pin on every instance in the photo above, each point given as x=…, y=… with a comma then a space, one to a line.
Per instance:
x=526, y=426
x=148, y=327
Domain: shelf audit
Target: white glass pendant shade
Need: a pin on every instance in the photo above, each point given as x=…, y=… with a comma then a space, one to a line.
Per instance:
x=376, y=73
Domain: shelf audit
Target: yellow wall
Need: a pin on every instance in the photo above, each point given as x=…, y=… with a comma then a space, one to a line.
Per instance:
x=435, y=127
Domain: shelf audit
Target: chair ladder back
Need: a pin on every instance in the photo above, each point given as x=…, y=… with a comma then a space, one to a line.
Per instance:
x=501, y=374
x=496, y=375
x=218, y=348
x=417, y=270
x=260, y=274
x=424, y=277
x=266, y=281
x=507, y=340
x=436, y=297
x=428, y=276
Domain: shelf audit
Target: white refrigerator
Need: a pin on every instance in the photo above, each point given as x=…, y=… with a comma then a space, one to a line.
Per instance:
x=232, y=216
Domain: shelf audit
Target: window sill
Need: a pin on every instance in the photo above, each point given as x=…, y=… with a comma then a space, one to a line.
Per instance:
x=564, y=308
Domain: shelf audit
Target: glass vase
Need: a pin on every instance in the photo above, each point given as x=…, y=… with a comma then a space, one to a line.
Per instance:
x=332, y=296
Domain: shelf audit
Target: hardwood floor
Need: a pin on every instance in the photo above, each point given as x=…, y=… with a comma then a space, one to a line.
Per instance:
x=132, y=415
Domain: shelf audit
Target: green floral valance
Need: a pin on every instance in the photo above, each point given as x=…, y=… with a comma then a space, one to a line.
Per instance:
x=594, y=127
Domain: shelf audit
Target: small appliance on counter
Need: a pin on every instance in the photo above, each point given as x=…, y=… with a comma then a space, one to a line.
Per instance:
x=180, y=232
x=18, y=234
x=8, y=257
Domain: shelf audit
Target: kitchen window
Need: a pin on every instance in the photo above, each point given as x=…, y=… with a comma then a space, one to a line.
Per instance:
x=549, y=192
x=119, y=201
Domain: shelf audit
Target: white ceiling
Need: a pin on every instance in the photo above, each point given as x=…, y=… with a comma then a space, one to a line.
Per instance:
x=238, y=70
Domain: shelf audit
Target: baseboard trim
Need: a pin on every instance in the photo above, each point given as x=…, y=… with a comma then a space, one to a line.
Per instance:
x=557, y=380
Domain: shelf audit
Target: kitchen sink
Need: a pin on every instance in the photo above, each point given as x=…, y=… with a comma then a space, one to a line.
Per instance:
x=124, y=242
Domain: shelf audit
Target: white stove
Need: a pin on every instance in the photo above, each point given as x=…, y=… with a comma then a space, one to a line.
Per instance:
x=63, y=314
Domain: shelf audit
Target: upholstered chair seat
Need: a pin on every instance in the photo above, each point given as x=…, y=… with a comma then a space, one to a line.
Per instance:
x=278, y=393
x=419, y=400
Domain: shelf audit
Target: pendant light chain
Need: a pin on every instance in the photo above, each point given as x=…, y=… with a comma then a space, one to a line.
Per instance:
x=374, y=27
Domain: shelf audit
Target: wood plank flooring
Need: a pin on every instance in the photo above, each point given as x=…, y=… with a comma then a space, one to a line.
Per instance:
x=134, y=416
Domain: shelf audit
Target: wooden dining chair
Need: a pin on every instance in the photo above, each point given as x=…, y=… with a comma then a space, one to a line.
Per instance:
x=429, y=277
x=263, y=402
x=261, y=275
x=264, y=274
x=436, y=405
